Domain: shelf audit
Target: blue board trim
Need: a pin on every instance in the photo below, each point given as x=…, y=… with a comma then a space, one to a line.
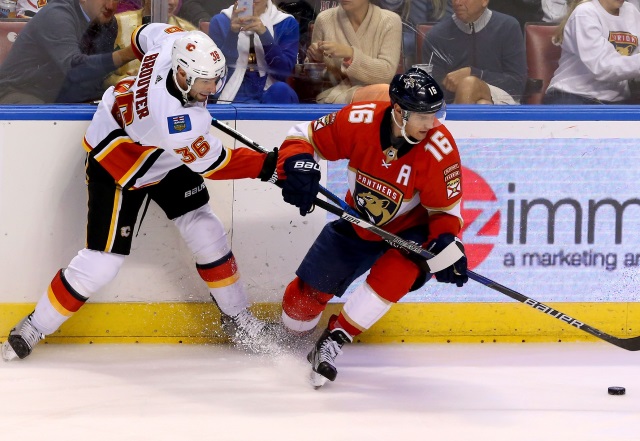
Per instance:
x=84, y=112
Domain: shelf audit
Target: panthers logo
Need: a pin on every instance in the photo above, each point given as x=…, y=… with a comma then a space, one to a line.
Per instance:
x=376, y=199
x=374, y=207
x=624, y=42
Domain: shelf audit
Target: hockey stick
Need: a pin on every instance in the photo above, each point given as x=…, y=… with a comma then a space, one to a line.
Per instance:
x=630, y=344
x=257, y=147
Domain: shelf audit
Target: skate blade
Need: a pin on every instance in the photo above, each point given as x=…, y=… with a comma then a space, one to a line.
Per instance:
x=316, y=380
x=8, y=353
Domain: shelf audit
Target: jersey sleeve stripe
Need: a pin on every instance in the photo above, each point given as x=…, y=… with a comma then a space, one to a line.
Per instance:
x=86, y=145
x=143, y=169
x=219, y=164
x=311, y=141
x=135, y=42
x=123, y=158
x=126, y=179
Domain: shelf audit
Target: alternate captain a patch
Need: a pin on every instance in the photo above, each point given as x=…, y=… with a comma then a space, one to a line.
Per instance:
x=376, y=199
x=179, y=123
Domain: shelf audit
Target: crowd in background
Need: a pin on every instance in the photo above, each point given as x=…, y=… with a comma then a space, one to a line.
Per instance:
x=334, y=51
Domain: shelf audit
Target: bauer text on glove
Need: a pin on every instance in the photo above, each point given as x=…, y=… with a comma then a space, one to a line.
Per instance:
x=302, y=181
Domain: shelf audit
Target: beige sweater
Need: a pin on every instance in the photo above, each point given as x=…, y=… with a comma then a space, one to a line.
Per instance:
x=376, y=50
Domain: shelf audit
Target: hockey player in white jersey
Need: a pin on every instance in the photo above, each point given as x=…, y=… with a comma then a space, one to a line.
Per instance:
x=149, y=138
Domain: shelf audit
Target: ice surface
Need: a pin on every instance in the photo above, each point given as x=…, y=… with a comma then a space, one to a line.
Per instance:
x=443, y=392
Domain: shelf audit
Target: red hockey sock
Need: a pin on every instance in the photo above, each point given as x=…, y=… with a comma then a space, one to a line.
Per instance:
x=392, y=275
x=340, y=321
x=302, y=302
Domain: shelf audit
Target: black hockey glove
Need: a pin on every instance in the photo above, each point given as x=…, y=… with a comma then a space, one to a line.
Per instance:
x=268, y=172
x=302, y=183
x=456, y=273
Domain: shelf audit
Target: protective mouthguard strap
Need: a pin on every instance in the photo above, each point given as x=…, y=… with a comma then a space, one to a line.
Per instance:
x=445, y=258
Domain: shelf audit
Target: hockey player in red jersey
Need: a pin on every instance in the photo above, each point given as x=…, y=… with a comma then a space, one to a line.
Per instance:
x=149, y=138
x=404, y=175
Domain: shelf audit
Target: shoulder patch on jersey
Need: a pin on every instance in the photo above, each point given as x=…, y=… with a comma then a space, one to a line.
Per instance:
x=324, y=121
x=379, y=201
x=453, y=188
x=451, y=172
x=179, y=123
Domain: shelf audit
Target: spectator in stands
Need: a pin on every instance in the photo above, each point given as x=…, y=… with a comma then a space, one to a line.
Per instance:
x=29, y=8
x=555, y=10
x=413, y=13
x=478, y=55
x=128, y=22
x=360, y=43
x=599, y=40
x=261, y=51
x=63, y=54
x=197, y=11
x=303, y=12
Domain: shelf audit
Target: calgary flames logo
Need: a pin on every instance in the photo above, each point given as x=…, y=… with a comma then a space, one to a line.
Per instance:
x=191, y=47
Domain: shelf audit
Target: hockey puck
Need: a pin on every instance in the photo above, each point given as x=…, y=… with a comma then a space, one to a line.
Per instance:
x=617, y=390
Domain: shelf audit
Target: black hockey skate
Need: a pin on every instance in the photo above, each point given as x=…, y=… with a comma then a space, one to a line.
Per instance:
x=323, y=355
x=21, y=341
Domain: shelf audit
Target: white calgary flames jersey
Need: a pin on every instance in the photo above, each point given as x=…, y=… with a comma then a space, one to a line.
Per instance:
x=142, y=129
x=398, y=188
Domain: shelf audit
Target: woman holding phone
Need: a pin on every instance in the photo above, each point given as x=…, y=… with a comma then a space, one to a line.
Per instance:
x=260, y=44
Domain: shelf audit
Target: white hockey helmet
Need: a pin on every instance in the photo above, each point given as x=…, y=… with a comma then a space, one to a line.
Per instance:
x=199, y=56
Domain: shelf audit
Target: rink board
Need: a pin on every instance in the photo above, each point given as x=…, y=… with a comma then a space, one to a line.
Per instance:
x=550, y=208
x=404, y=323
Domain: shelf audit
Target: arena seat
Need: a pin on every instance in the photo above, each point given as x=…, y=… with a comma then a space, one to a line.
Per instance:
x=423, y=30
x=542, y=59
x=9, y=30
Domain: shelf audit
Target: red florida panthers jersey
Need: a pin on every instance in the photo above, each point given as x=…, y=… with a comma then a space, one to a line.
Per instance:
x=143, y=128
x=394, y=188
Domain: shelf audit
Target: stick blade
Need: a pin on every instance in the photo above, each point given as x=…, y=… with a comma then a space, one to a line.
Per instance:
x=630, y=344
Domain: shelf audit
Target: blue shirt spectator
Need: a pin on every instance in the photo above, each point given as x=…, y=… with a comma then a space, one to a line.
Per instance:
x=261, y=52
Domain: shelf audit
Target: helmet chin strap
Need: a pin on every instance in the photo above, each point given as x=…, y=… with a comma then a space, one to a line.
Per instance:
x=405, y=117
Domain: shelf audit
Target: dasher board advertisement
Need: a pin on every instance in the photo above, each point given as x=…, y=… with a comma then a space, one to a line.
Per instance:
x=555, y=219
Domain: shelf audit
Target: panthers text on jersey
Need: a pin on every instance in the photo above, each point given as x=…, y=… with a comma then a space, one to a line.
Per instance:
x=395, y=188
x=143, y=128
